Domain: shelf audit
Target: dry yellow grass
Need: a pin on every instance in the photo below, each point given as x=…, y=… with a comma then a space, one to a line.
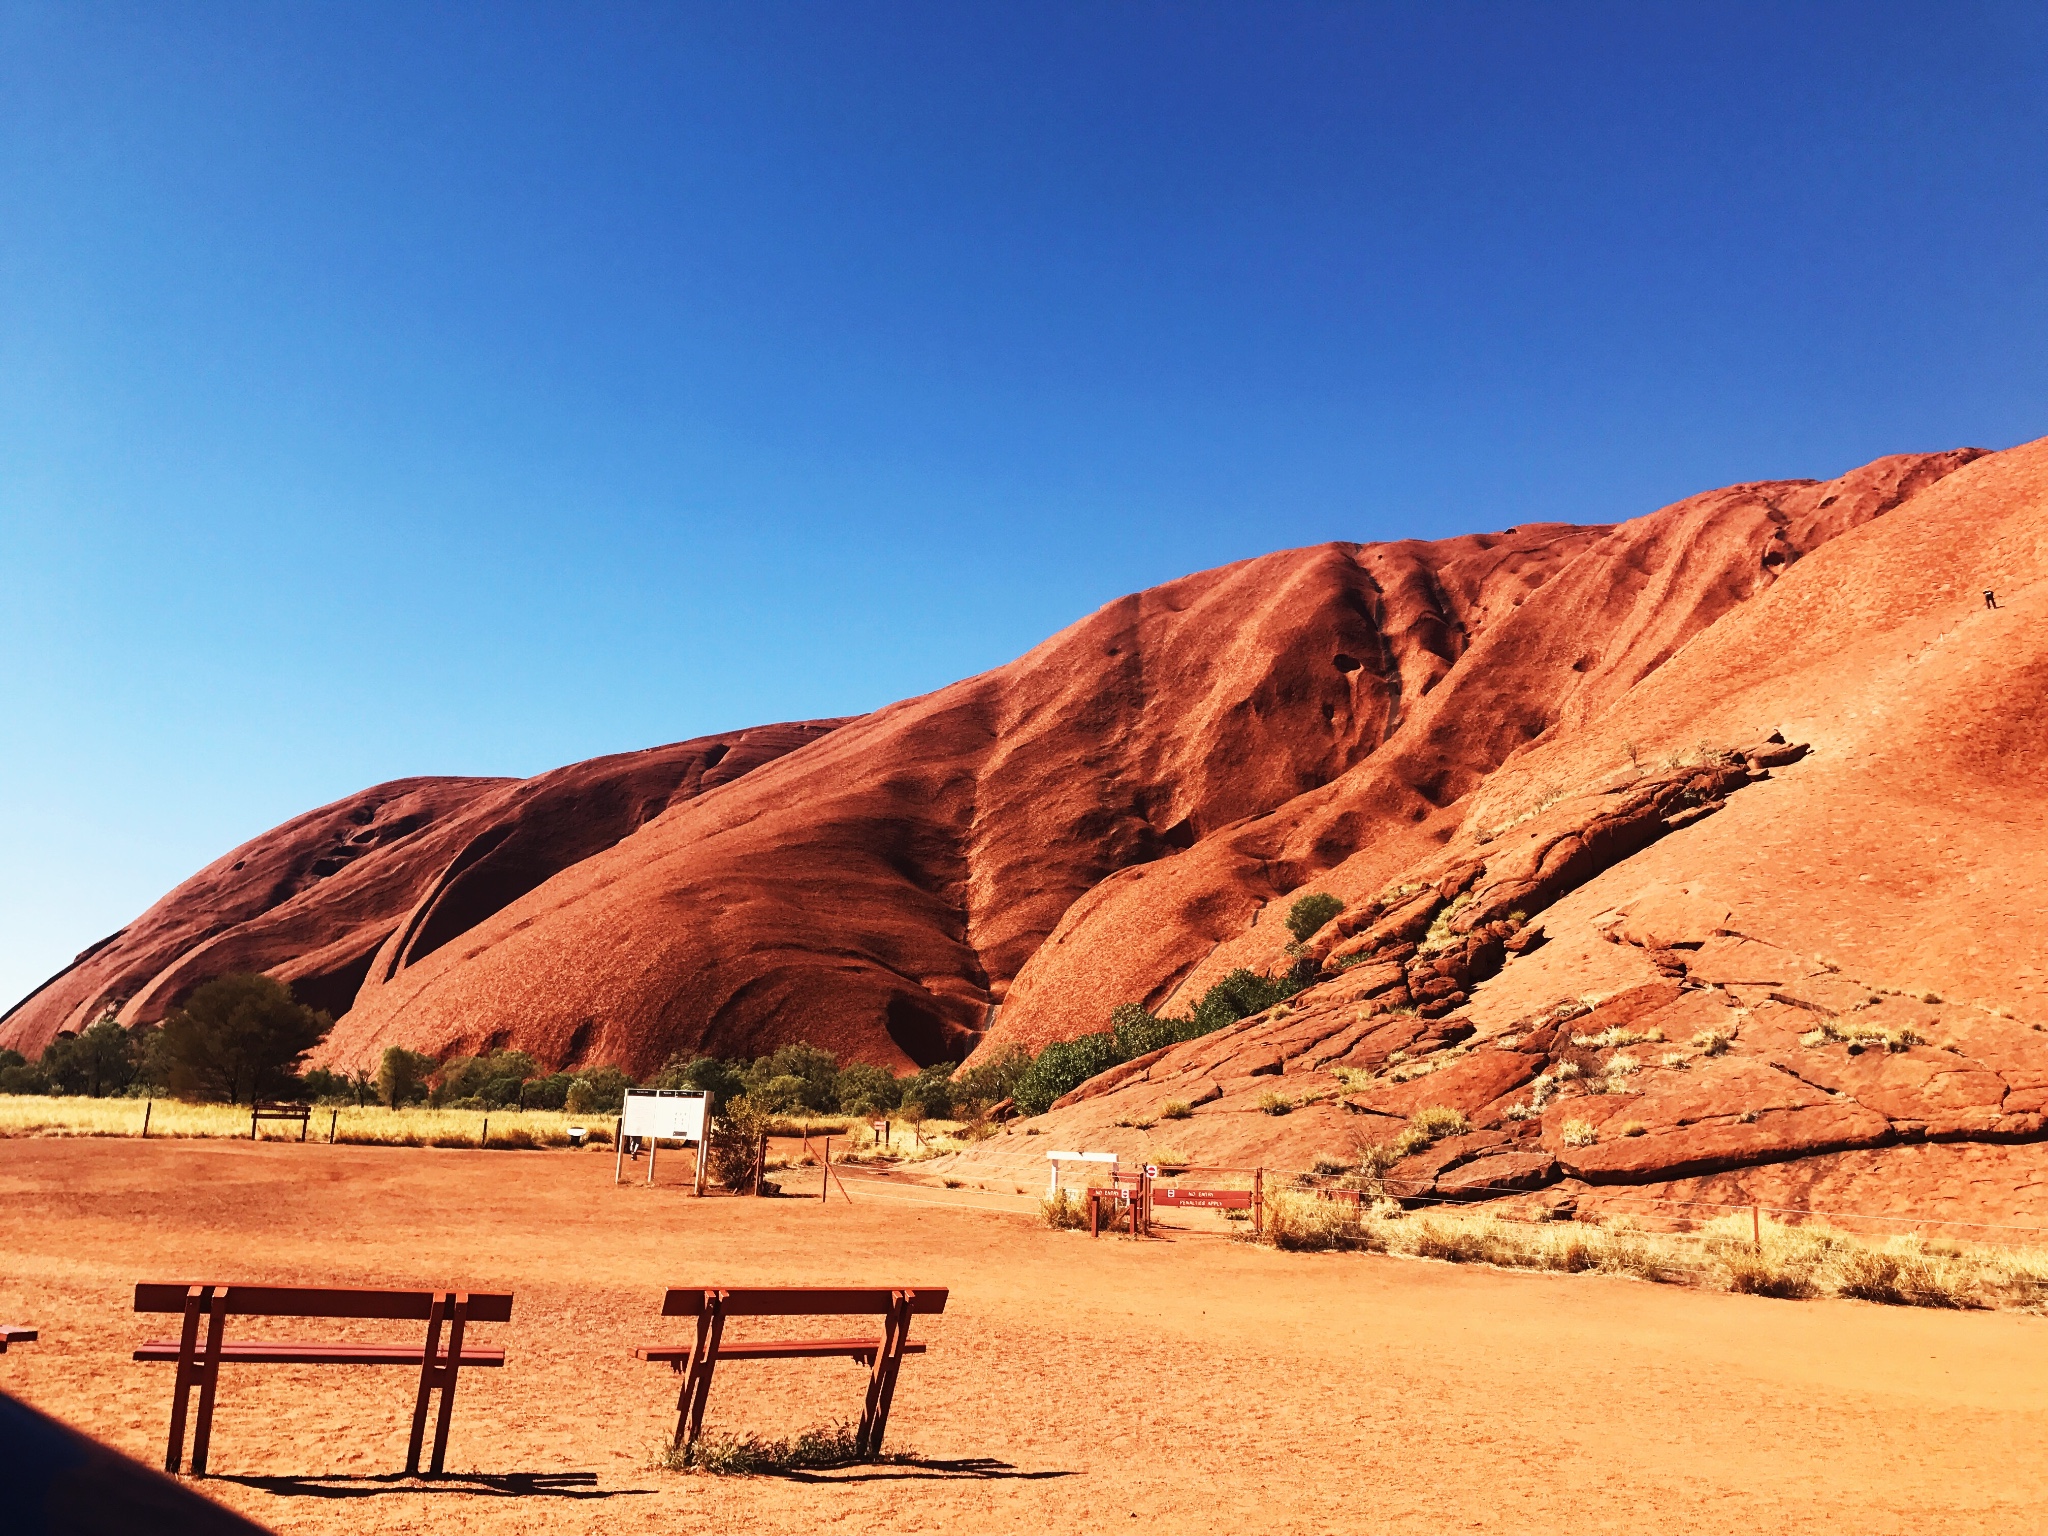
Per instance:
x=24, y=1115
x=1793, y=1262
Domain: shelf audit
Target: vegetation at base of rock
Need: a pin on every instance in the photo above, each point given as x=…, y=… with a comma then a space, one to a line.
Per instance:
x=1310, y=912
x=1066, y=1064
x=1791, y=1262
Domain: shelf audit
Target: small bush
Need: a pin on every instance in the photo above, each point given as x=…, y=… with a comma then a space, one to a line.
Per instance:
x=1060, y=1213
x=1309, y=913
x=1176, y=1109
x=835, y=1445
x=598, y=1091
x=1303, y=1224
x=1579, y=1133
x=1275, y=1104
x=1712, y=1042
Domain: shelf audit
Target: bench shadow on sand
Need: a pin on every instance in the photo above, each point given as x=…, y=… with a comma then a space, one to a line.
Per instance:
x=583, y=1485
x=499, y=1485
x=920, y=1468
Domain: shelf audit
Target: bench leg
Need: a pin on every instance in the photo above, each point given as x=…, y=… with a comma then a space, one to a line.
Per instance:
x=448, y=1375
x=427, y=1378
x=209, y=1378
x=181, y=1385
x=697, y=1384
x=882, y=1382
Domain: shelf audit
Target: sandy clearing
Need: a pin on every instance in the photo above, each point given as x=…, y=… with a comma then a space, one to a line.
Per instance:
x=1177, y=1385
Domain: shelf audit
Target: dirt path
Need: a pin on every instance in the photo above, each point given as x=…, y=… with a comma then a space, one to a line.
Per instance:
x=1181, y=1385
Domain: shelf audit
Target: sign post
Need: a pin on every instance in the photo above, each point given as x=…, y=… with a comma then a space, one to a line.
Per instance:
x=651, y=1113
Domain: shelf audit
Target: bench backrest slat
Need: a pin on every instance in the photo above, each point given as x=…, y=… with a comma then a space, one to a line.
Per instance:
x=320, y=1301
x=799, y=1300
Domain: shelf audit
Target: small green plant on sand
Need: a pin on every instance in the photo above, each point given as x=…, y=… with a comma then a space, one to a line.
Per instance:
x=826, y=1446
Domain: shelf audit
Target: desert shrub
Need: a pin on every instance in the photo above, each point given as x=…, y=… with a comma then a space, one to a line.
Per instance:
x=784, y=1095
x=550, y=1092
x=96, y=1064
x=1135, y=1032
x=18, y=1076
x=1759, y=1274
x=1271, y=1103
x=1063, y=1214
x=1309, y=913
x=1238, y=995
x=598, y=1091
x=723, y=1080
x=491, y=1081
x=863, y=1089
x=1176, y=1109
x=734, y=1137
x=1061, y=1067
x=1579, y=1133
x=991, y=1081
x=1902, y=1275
x=1438, y=1121
x=1330, y=1164
x=836, y=1445
x=402, y=1077
x=816, y=1070
x=1712, y=1042
x=240, y=1037
x=929, y=1095
x=1300, y=1223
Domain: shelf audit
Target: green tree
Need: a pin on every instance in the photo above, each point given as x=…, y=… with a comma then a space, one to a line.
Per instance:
x=402, y=1076
x=865, y=1089
x=929, y=1095
x=818, y=1071
x=1062, y=1067
x=989, y=1082
x=17, y=1076
x=1310, y=912
x=240, y=1036
x=97, y=1064
x=598, y=1091
x=723, y=1080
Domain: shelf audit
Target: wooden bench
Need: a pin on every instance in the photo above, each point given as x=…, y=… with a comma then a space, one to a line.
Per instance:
x=712, y=1305
x=15, y=1336
x=266, y=1109
x=199, y=1362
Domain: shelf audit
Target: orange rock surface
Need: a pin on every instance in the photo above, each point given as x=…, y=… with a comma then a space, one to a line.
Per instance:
x=1122, y=814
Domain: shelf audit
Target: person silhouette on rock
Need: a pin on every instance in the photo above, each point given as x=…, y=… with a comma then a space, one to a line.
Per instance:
x=1990, y=601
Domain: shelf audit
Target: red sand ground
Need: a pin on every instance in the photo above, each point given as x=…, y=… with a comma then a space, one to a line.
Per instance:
x=1179, y=1385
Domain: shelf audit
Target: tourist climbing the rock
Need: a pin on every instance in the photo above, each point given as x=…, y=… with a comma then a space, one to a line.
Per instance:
x=1990, y=601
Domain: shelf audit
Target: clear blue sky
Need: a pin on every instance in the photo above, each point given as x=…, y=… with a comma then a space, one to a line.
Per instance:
x=410, y=389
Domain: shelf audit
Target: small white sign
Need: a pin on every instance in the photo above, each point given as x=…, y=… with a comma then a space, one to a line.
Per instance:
x=1151, y=1170
x=670, y=1113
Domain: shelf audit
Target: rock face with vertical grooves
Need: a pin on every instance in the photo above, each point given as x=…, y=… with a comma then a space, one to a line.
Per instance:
x=1116, y=816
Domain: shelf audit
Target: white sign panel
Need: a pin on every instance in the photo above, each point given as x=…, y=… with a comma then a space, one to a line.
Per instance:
x=669, y=1113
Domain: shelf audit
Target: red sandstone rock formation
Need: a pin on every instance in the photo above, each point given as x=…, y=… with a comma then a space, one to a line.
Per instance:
x=1108, y=818
x=392, y=873
x=1826, y=948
